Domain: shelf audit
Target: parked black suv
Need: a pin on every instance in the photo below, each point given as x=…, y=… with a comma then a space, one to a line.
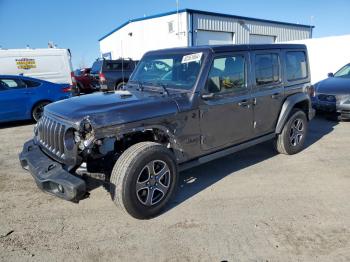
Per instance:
x=112, y=74
x=197, y=105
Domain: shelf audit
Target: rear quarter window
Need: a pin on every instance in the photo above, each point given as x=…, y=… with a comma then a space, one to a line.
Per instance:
x=296, y=65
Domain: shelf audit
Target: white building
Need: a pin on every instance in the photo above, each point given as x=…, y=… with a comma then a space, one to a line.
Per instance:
x=189, y=27
x=326, y=55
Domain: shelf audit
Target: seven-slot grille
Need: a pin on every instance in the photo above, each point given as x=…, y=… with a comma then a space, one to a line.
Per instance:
x=51, y=135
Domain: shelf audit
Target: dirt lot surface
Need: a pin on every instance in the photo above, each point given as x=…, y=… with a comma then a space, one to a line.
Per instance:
x=251, y=206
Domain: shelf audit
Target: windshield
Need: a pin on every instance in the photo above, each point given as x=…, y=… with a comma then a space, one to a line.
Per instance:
x=178, y=71
x=344, y=72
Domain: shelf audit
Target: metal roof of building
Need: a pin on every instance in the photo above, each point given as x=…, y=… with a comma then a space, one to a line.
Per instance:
x=193, y=11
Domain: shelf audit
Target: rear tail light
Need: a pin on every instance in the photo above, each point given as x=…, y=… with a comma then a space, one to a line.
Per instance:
x=66, y=89
x=311, y=91
x=102, y=77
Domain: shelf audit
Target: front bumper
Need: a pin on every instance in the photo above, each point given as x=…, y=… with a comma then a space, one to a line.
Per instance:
x=49, y=175
x=342, y=109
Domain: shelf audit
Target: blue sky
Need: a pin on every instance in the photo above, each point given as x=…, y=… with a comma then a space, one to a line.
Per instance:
x=78, y=24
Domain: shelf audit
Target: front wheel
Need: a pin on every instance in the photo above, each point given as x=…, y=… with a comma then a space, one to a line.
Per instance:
x=292, y=138
x=38, y=110
x=143, y=179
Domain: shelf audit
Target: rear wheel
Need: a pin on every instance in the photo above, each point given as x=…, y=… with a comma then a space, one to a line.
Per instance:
x=143, y=179
x=292, y=138
x=120, y=85
x=38, y=110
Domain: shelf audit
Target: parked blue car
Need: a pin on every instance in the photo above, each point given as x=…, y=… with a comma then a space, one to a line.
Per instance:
x=25, y=97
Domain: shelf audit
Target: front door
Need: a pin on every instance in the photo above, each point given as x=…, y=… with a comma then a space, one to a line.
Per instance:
x=226, y=106
x=268, y=90
x=13, y=99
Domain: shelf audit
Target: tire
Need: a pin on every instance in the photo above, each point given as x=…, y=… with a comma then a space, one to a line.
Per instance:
x=78, y=90
x=138, y=191
x=292, y=138
x=120, y=85
x=38, y=110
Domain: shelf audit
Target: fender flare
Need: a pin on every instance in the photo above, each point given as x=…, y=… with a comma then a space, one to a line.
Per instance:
x=287, y=107
x=175, y=145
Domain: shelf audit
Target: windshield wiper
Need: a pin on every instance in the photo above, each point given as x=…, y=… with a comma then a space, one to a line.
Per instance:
x=163, y=86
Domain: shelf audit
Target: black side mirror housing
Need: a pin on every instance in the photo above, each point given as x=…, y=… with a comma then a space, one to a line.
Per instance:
x=330, y=75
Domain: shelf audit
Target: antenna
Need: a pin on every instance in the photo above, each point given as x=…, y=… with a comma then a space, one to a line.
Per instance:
x=178, y=18
x=311, y=24
x=122, y=55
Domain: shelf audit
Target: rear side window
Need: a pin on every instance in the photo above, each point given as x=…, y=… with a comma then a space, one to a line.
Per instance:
x=113, y=66
x=267, y=69
x=296, y=65
x=31, y=83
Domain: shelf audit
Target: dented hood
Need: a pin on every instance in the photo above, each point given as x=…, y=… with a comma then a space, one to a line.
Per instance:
x=113, y=108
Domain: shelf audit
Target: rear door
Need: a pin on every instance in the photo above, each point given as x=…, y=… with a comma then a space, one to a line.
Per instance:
x=14, y=99
x=268, y=90
x=226, y=110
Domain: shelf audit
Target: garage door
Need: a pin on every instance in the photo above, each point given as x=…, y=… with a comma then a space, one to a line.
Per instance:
x=213, y=38
x=262, y=39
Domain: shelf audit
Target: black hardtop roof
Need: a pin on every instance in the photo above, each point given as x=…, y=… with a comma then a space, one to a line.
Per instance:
x=229, y=48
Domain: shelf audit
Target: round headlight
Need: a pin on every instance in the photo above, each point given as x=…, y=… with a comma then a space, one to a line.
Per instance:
x=69, y=139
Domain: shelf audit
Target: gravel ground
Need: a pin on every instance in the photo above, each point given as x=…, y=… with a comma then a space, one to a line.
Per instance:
x=254, y=205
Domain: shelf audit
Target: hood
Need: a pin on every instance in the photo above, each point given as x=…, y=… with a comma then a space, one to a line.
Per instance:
x=334, y=86
x=113, y=108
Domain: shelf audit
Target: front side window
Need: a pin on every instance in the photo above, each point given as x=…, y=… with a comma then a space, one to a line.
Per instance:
x=296, y=65
x=179, y=71
x=266, y=69
x=343, y=72
x=227, y=74
x=9, y=84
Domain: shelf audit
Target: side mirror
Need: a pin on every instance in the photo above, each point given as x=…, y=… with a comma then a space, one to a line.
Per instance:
x=330, y=75
x=208, y=96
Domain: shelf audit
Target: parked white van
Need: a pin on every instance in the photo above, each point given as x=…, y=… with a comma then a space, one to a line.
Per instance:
x=49, y=64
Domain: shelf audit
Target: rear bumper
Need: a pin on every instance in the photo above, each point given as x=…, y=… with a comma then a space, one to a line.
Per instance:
x=49, y=175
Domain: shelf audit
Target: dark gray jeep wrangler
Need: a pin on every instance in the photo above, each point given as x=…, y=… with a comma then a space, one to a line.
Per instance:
x=182, y=107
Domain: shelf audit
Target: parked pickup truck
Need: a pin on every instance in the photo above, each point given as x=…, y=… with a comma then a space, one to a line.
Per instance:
x=112, y=74
x=203, y=103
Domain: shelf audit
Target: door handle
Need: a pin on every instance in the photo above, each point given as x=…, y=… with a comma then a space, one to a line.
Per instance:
x=244, y=103
x=27, y=92
x=276, y=95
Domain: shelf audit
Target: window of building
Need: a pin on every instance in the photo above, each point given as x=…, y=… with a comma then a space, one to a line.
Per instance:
x=266, y=69
x=171, y=27
x=296, y=65
x=227, y=74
